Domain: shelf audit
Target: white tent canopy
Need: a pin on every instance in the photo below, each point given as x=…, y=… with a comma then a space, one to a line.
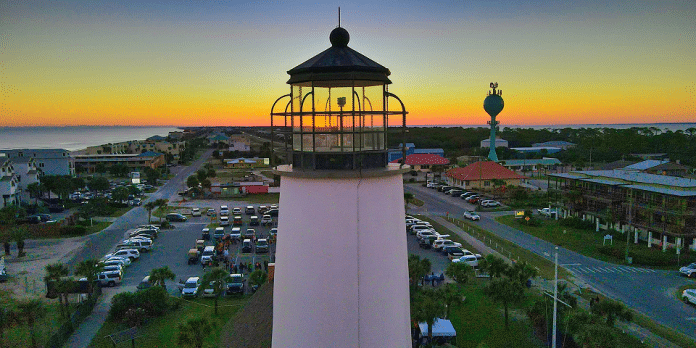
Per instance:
x=441, y=328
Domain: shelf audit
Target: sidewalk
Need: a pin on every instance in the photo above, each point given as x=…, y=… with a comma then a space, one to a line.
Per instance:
x=88, y=329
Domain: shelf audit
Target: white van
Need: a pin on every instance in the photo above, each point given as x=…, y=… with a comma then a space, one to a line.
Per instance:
x=208, y=254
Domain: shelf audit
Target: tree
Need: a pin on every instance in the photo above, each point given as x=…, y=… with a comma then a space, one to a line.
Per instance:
x=408, y=197
x=29, y=312
x=89, y=269
x=612, y=310
x=417, y=268
x=493, y=265
x=257, y=278
x=426, y=307
x=521, y=272
x=217, y=278
x=506, y=292
x=19, y=235
x=211, y=173
x=161, y=204
x=194, y=332
x=202, y=174
x=152, y=175
x=35, y=190
x=450, y=295
x=459, y=272
x=120, y=194
x=150, y=206
x=54, y=273
x=159, y=275
x=98, y=183
x=192, y=181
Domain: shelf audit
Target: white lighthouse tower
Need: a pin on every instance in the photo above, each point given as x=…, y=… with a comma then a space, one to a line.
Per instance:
x=341, y=274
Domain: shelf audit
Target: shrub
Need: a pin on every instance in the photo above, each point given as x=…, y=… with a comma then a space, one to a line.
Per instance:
x=412, y=180
x=154, y=300
x=576, y=222
x=73, y=230
x=120, y=304
x=165, y=225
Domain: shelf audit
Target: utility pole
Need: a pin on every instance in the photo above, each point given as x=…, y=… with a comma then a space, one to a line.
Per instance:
x=555, y=298
x=630, y=220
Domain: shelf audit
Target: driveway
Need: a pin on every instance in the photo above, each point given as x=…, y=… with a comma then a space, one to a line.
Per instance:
x=650, y=292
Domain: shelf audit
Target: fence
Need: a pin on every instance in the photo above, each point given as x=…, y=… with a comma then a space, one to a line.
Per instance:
x=83, y=310
x=485, y=239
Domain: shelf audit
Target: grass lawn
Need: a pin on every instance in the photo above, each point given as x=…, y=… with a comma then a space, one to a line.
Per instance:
x=97, y=227
x=120, y=211
x=480, y=321
x=162, y=331
x=589, y=242
x=512, y=250
x=18, y=336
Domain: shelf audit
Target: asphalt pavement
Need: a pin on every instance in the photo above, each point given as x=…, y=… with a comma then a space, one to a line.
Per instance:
x=650, y=292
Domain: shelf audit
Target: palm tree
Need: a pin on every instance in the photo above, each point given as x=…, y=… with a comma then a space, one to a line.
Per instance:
x=194, y=332
x=521, y=272
x=217, y=277
x=161, y=204
x=427, y=307
x=257, y=278
x=459, y=272
x=450, y=295
x=53, y=274
x=89, y=269
x=35, y=189
x=493, y=265
x=417, y=268
x=150, y=206
x=29, y=312
x=612, y=310
x=506, y=292
x=159, y=275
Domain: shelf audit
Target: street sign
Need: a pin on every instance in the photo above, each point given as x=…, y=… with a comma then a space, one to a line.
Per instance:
x=519, y=214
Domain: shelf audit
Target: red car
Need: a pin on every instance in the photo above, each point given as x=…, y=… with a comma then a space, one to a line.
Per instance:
x=473, y=199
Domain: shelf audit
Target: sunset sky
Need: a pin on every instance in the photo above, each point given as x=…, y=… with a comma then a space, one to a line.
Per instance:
x=210, y=63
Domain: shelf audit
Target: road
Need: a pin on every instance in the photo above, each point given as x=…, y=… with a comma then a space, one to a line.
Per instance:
x=650, y=292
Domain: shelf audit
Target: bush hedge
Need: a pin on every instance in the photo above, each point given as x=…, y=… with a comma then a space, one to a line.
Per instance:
x=154, y=301
x=73, y=230
x=648, y=257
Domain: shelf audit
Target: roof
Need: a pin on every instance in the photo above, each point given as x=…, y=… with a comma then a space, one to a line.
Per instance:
x=339, y=66
x=483, y=171
x=669, y=166
x=536, y=148
x=149, y=154
x=156, y=138
x=441, y=328
x=433, y=151
x=554, y=143
x=408, y=145
x=242, y=159
x=617, y=164
x=647, y=164
x=670, y=185
x=531, y=162
x=219, y=137
x=417, y=159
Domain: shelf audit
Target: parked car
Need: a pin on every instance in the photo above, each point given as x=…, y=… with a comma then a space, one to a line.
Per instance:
x=109, y=278
x=548, y=212
x=272, y=212
x=139, y=243
x=224, y=220
x=237, y=220
x=116, y=261
x=209, y=290
x=262, y=246
x=473, y=199
x=471, y=215
x=441, y=243
x=224, y=211
x=444, y=188
x=132, y=254
x=470, y=260
x=236, y=233
x=266, y=220
x=195, y=212
x=456, y=192
x=689, y=296
x=219, y=232
x=465, y=195
x=211, y=212
x=489, y=203
x=193, y=255
x=262, y=209
x=191, y=287
x=254, y=220
x=273, y=232
x=135, y=202
x=205, y=233
x=176, y=217
x=144, y=284
x=237, y=211
x=246, y=246
x=688, y=270
x=249, y=210
x=235, y=284
x=452, y=252
x=114, y=268
x=208, y=254
x=250, y=233
x=427, y=242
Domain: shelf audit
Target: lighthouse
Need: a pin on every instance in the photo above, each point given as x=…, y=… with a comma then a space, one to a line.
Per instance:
x=341, y=269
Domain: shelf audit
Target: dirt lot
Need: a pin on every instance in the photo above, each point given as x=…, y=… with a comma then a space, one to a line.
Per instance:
x=26, y=273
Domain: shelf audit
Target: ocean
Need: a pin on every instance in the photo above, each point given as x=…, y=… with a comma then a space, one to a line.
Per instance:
x=74, y=138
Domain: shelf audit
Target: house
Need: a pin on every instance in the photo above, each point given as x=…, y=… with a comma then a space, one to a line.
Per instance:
x=218, y=138
x=659, y=209
x=482, y=175
x=48, y=161
x=247, y=162
x=423, y=162
x=26, y=171
x=542, y=149
x=9, y=187
x=659, y=167
x=531, y=165
x=563, y=145
x=499, y=142
x=239, y=143
x=149, y=159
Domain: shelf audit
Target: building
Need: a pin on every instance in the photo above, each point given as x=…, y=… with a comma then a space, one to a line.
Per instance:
x=48, y=161
x=423, y=162
x=240, y=143
x=541, y=149
x=247, y=162
x=532, y=165
x=26, y=171
x=397, y=153
x=499, y=142
x=481, y=175
x=9, y=186
x=659, y=167
x=89, y=163
x=659, y=209
x=563, y=145
x=218, y=138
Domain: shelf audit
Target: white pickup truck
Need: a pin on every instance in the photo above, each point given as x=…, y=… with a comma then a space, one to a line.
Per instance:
x=547, y=212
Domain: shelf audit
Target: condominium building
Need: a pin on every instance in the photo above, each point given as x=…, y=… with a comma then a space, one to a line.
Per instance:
x=9, y=187
x=48, y=161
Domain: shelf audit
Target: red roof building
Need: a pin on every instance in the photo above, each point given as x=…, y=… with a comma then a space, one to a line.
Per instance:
x=423, y=161
x=481, y=175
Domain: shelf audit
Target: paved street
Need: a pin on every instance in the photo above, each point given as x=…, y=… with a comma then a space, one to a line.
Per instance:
x=651, y=292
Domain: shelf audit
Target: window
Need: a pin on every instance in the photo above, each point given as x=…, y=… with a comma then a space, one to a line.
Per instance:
x=486, y=183
x=41, y=165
